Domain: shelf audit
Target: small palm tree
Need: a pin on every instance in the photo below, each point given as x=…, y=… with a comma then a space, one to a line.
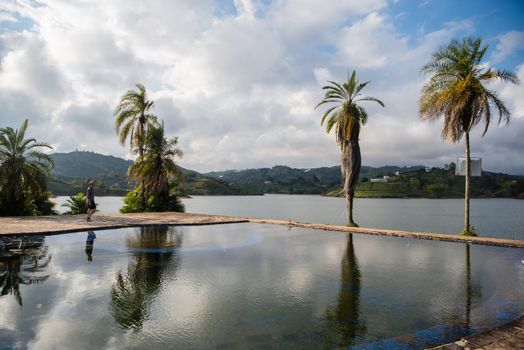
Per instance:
x=76, y=204
x=456, y=91
x=133, y=119
x=23, y=171
x=157, y=164
x=347, y=117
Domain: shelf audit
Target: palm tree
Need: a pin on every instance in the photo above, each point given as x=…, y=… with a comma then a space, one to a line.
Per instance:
x=157, y=164
x=347, y=117
x=455, y=91
x=23, y=171
x=133, y=119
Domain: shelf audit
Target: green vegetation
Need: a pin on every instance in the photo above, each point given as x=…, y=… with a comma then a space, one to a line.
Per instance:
x=76, y=204
x=153, y=170
x=73, y=170
x=155, y=165
x=133, y=121
x=23, y=171
x=439, y=183
x=154, y=203
x=347, y=117
x=456, y=91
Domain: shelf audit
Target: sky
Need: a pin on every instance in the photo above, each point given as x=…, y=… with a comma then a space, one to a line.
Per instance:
x=237, y=80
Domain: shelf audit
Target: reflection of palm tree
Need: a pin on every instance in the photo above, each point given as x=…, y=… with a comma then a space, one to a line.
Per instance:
x=468, y=288
x=344, y=317
x=152, y=251
x=25, y=267
x=472, y=290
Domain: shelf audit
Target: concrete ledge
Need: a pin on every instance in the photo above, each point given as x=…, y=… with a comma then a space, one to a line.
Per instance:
x=501, y=242
x=508, y=336
x=46, y=225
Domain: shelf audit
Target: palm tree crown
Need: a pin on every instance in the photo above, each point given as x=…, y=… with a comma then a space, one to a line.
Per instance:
x=157, y=164
x=23, y=168
x=133, y=117
x=455, y=89
x=346, y=116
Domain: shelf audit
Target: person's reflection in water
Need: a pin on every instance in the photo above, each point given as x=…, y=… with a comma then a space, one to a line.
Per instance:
x=90, y=241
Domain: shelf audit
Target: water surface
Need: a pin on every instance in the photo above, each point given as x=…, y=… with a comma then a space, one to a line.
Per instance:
x=491, y=217
x=252, y=286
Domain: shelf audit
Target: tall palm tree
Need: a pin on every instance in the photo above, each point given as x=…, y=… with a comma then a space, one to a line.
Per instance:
x=23, y=171
x=133, y=119
x=158, y=162
x=456, y=91
x=347, y=117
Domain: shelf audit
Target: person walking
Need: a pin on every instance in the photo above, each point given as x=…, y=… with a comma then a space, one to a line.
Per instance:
x=91, y=205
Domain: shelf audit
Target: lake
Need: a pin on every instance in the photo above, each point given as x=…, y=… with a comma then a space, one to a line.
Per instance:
x=249, y=286
x=503, y=218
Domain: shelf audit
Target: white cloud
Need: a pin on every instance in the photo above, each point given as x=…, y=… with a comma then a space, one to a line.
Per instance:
x=237, y=88
x=371, y=43
x=514, y=94
x=508, y=44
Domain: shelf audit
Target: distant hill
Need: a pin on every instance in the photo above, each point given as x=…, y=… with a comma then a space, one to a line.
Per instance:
x=439, y=183
x=73, y=170
x=283, y=179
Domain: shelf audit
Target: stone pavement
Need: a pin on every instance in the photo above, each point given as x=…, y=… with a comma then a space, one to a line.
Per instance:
x=74, y=223
x=508, y=336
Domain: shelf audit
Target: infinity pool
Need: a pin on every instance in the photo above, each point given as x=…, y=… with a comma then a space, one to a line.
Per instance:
x=248, y=286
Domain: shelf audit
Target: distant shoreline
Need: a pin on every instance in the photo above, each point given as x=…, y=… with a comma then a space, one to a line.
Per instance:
x=305, y=194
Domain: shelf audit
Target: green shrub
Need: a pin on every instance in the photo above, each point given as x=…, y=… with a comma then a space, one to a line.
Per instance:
x=163, y=201
x=76, y=204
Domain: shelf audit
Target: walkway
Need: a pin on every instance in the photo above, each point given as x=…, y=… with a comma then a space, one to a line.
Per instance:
x=76, y=223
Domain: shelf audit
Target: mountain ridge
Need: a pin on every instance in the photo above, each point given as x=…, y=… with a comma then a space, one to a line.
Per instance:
x=72, y=171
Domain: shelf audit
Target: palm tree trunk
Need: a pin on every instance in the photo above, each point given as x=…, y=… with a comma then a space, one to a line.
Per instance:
x=352, y=164
x=141, y=155
x=467, y=226
x=350, y=209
